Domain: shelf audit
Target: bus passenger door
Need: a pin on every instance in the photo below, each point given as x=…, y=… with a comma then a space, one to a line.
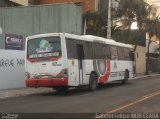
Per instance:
x=80, y=57
x=114, y=63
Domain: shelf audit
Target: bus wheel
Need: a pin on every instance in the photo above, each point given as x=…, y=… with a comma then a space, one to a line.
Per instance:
x=61, y=89
x=126, y=77
x=92, y=82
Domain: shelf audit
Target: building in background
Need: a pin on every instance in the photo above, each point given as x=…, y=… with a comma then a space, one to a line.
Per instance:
x=20, y=2
x=88, y=5
x=12, y=3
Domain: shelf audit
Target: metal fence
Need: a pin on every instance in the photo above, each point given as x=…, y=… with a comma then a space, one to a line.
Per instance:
x=32, y=20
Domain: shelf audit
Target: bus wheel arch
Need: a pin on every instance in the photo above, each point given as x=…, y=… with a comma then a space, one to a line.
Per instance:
x=95, y=73
x=93, y=79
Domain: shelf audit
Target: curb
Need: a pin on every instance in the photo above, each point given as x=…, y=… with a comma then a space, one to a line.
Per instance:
x=146, y=76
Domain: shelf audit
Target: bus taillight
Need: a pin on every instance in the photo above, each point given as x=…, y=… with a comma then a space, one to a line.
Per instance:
x=54, y=58
x=32, y=60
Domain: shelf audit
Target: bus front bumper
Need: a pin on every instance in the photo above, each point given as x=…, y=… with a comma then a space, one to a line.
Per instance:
x=49, y=82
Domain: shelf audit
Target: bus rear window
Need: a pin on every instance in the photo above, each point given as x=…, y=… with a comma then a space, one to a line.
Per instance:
x=44, y=47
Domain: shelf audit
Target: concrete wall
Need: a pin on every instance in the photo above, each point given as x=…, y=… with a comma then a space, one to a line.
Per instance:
x=140, y=60
x=12, y=69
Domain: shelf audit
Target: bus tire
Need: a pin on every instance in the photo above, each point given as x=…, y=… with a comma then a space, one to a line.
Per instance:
x=61, y=89
x=126, y=77
x=92, y=82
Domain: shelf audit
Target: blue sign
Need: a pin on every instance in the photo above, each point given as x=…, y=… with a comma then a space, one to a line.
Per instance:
x=13, y=42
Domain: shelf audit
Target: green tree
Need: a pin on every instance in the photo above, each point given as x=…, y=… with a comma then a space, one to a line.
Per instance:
x=146, y=17
x=128, y=12
x=132, y=10
x=96, y=23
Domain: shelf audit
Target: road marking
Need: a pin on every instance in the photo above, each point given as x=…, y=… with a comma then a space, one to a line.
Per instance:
x=152, y=94
x=135, y=102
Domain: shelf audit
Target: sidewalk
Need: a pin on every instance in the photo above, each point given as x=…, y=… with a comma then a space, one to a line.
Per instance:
x=30, y=91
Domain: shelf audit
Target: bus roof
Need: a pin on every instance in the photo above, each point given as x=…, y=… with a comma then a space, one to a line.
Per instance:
x=106, y=41
x=89, y=38
x=43, y=35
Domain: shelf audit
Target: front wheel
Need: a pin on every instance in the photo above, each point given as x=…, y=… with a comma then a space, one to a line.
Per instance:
x=93, y=82
x=126, y=77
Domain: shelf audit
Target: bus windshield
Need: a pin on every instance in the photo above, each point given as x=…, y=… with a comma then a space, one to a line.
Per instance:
x=44, y=47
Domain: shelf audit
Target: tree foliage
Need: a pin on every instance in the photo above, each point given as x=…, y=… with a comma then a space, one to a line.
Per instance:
x=96, y=24
x=128, y=12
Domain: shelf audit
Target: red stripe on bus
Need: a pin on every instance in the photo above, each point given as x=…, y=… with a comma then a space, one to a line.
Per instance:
x=48, y=82
x=39, y=59
x=32, y=59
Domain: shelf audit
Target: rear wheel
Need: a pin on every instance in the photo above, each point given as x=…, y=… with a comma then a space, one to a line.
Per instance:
x=126, y=77
x=93, y=82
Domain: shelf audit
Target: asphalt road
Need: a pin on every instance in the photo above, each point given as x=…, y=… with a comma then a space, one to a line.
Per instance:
x=139, y=95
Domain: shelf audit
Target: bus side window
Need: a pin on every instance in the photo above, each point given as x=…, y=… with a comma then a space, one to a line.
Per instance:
x=106, y=51
x=98, y=51
x=120, y=53
x=114, y=54
x=70, y=48
x=126, y=54
x=88, y=50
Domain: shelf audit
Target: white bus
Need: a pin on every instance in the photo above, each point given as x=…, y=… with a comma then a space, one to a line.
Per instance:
x=62, y=60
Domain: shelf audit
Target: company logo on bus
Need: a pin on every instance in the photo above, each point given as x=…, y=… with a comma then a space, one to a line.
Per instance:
x=103, y=68
x=44, y=47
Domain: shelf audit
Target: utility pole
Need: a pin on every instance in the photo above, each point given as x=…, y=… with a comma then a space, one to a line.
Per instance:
x=109, y=20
